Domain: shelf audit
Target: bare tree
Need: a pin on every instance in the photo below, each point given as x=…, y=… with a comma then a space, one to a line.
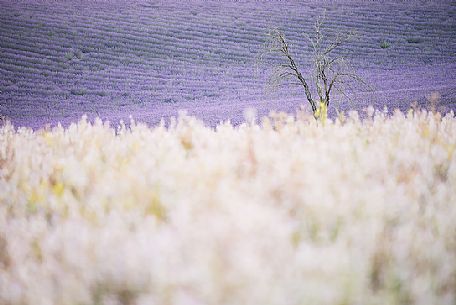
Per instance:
x=330, y=72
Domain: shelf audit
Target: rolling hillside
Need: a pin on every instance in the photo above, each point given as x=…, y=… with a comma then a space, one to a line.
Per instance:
x=149, y=59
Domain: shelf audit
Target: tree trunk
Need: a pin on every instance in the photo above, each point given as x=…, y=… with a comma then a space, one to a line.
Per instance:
x=321, y=112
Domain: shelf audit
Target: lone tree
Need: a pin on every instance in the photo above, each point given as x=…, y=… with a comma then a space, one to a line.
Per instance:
x=330, y=72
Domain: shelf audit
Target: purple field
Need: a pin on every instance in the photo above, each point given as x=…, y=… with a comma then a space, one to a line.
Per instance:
x=149, y=59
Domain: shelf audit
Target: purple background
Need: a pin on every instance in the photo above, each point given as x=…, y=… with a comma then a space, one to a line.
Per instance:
x=148, y=59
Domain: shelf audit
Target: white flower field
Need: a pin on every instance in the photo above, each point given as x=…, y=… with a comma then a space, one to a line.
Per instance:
x=254, y=172
x=285, y=211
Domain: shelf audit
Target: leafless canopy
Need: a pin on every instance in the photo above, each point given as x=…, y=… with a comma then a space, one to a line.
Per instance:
x=330, y=72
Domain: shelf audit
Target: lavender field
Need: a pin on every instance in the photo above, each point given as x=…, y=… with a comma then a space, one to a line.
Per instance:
x=113, y=59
